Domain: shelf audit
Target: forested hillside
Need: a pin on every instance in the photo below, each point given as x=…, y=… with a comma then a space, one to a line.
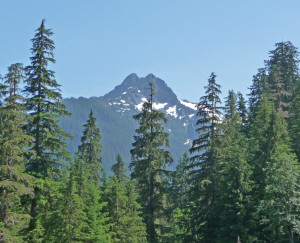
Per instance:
x=239, y=181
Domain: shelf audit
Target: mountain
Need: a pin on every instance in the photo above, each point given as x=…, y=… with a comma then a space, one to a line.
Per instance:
x=114, y=113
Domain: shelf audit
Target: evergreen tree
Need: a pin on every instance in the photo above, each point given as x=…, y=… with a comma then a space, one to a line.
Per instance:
x=137, y=230
x=294, y=121
x=97, y=218
x=283, y=75
x=261, y=145
x=149, y=160
x=204, y=166
x=180, y=188
x=15, y=183
x=275, y=198
x=258, y=88
x=230, y=105
x=234, y=176
x=88, y=167
x=124, y=211
x=181, y=181
x=12, y=80
x=2, y=88
x=44, y=105
x=279, y=208
x=241, y=107
x=67, y=221
x=119, y=169
x=47, y=221
x=90, y=148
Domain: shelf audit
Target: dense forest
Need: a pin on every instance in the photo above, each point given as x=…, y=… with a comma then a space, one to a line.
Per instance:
x=239, y=182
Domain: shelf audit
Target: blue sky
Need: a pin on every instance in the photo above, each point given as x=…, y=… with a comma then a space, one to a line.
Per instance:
x=98, y=43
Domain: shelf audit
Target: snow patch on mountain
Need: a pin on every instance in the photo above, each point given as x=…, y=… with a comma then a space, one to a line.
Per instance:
x=188, y=104
x=172, y=111
x=140, y=105
x=158, y=106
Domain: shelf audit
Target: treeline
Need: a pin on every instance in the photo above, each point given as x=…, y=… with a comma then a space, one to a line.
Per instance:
x=238, y=183
x=45, y=195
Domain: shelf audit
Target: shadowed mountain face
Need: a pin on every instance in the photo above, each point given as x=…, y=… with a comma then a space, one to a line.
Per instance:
x=114, y=113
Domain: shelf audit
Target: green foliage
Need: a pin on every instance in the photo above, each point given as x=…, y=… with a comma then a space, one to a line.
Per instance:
x=88, y=167
x=69, y=212
x=234, y=177
x=15, y=183
x=49, y=146
x=44, y=225
x=149, y=160
x=241, y=183
x=258, y=88
x=181, y=184
x=241, y=106
x=119, y=169
x=283, y=75
x=90, y=148
x=279, y=208
x=272, y=160
x=204, y=166
x=124, y=210
x=294, y=121
x=44, y=105
x=116, y=130
x=179, y=223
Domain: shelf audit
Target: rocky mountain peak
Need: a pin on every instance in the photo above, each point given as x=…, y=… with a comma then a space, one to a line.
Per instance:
x=114, y=113
x=134, y=88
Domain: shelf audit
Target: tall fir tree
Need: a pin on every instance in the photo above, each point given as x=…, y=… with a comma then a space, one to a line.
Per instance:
x=204, y=165
x=44, y=104
x=15, y=184
x=149, y=161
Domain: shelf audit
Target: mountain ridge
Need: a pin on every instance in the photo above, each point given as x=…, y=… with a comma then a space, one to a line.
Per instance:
x=114, y=112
